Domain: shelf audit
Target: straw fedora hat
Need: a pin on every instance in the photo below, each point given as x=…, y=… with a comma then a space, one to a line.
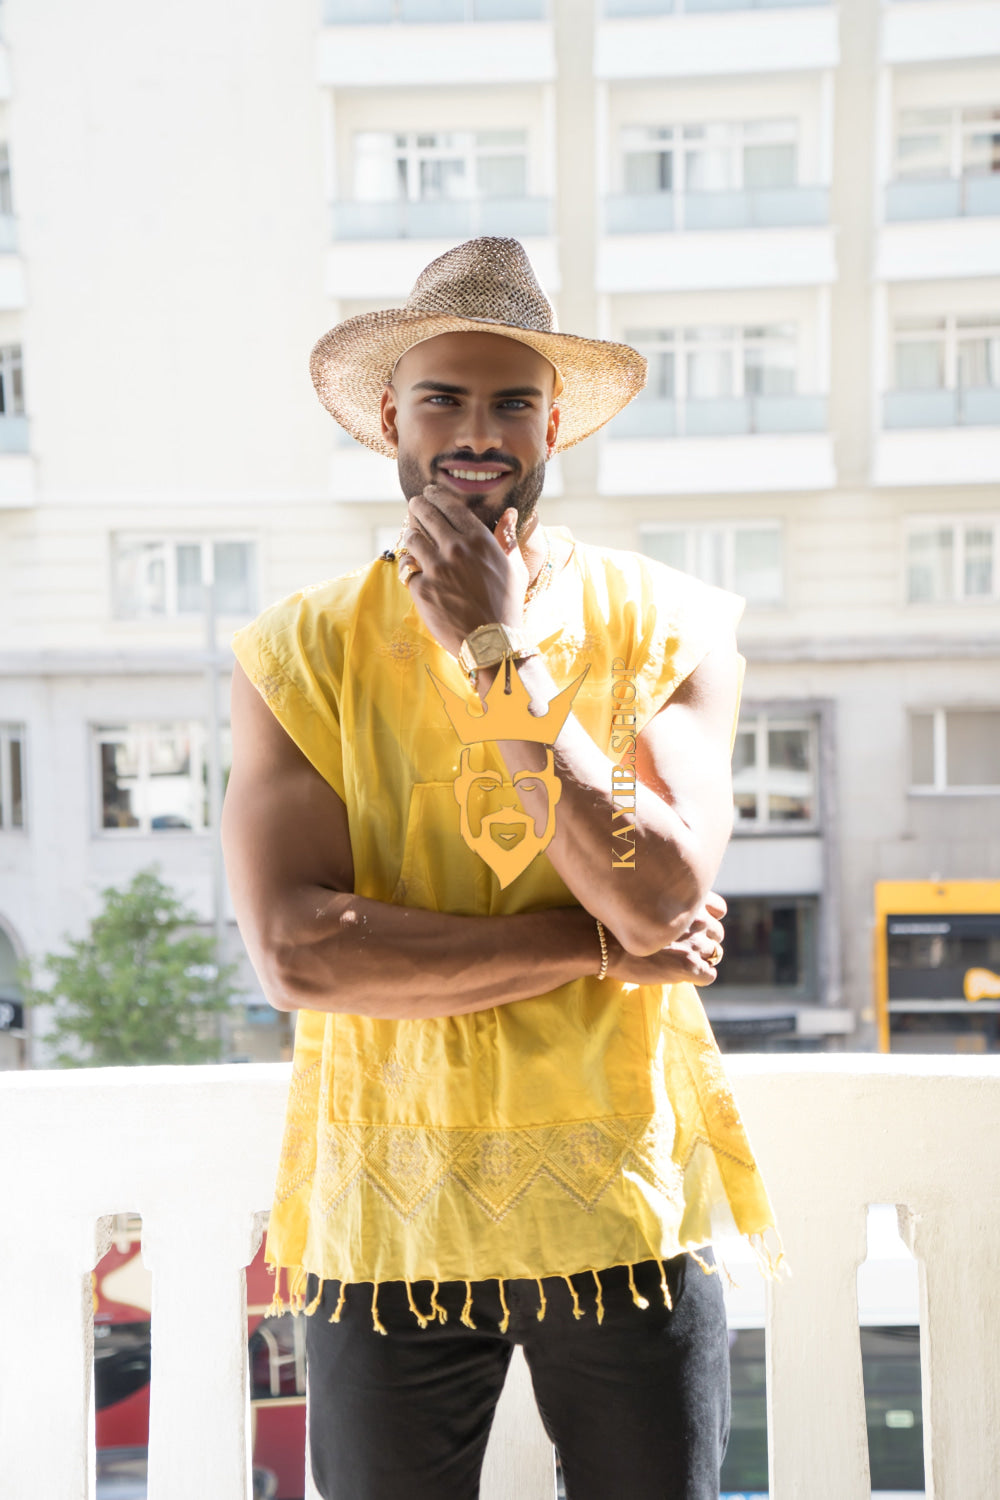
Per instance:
x=482, y=286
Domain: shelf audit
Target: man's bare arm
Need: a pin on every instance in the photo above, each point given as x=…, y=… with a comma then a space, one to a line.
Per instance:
x=682, y=814
x=316, y=945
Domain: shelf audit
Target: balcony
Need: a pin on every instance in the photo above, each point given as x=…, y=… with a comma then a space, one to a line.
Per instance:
x=17, y=468
x=939, y=437
x=379, y=249
x=745, y=208
x=389, y=43
x=698, y=38
x=726, y=445
x=939, y=227
x=921, y=31
x=84, y=1145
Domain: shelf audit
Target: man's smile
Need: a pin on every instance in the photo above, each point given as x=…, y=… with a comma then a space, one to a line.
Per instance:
x=474, y=479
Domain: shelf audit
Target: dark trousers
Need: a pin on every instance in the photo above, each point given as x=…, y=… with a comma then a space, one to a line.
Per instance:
x=638, y=1405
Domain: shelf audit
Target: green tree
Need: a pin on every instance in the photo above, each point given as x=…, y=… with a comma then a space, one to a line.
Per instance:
x=136, y=989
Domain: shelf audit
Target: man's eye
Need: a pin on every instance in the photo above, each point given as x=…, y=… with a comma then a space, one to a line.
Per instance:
x=527, y=783
x=441, y=398
x=514, y=401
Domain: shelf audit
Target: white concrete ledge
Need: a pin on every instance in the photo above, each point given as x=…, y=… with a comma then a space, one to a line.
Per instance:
x=393, y=56
x=742, y=41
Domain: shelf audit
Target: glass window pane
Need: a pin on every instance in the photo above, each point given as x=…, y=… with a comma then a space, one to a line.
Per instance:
x=15, y=783
x=979, y=361
x=710, y=554
x=235, y=581
x=769, y=166
x=649, y=172
x=668, y=547
x=119, y=783
x=376, y=176
x=922, y=749
x=930, y=563
x=190, y=600
x=919, y=364
x=171, y=782
x=757, y=565
x=139, y=579
x=973, y=748
x=710, y=169
x=978, y=581
x=443, y=179
x=770, y=944
x=769, y=363
x=790, y=775
x=502, y=176
x=710, y=364
x=922, y=144
x=745, y=775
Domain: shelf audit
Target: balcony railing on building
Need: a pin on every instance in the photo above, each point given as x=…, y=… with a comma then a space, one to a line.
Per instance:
x=735, y=208
x=970, y=196
x=442, y=218
x=663, y=417
x=377, y=12
x=942, y=407
x=13, y=433
x=616, y=8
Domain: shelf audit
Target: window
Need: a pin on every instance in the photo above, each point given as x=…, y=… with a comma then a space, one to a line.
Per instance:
x=11, y=776
x=162, y=579
x=775, y=762
x=11, y=381
x=420, y=166
x=953, y=560
x=770, y=947
x=947, y=352
x=6, y=199
x=955, y=750
x=716, y=363
x=948, y=142
x=153, y=778
x=746, y=558
x=716, y=157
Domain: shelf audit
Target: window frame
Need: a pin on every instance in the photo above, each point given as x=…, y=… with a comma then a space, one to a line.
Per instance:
x=11, y=730
x=669, y=137
x=693, y=531
x=468, y=151
x=168, y=546
x=957, y=126
x=764, y=720
x=104, y=732
x=987, y=326
x=939, y=741
x=957, y=525
x=734, y=340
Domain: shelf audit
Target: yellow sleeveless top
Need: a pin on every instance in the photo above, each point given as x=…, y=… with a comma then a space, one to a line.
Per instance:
x=588, y=1127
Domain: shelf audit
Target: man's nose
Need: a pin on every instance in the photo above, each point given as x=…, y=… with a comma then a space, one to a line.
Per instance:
x=478, y=428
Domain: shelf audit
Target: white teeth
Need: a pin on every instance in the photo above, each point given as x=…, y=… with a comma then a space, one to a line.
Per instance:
x=473, y=474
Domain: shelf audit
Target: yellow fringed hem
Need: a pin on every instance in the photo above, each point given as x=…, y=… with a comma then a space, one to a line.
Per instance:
x=414, y=1309
x=377, y=1323
x=506, y=1310
x=437, y=1311
x=667, y=1302
x=600, y=1297
x=636, y=1298
x=542, y=1303
x=340, y=1303
x=314, y=1304
x=466, y=1317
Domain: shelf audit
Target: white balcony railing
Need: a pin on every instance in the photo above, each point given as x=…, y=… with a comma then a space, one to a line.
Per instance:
x=194, y=1151
x=445, y=218
x=737, y=208
x=651, y=417
x=972, y=196
x=966, y=407
x=614, y=8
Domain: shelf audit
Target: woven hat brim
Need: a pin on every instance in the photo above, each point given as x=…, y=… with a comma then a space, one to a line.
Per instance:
x=351, y=366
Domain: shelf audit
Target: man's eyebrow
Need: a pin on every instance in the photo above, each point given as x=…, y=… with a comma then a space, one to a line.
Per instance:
x=461, y=390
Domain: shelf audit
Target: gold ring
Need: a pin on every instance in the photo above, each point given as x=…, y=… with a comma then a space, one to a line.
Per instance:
x=407, y=571
x=716, y=956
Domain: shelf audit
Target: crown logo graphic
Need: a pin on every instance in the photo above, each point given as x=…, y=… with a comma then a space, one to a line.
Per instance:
x=507, y=716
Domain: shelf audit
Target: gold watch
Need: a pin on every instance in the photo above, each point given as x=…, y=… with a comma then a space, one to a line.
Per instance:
x=487, y=645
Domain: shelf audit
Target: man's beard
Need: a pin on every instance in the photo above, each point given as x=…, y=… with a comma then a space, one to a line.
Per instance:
x=523, y=494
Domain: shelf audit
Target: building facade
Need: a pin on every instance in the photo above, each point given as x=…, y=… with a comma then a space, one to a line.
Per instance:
x=792, y=208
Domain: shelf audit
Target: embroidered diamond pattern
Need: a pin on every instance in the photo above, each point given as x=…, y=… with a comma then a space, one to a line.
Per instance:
x=497, y=1165
x=406, y=1163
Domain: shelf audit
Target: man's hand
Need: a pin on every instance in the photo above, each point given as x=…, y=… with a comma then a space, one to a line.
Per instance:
x=686, y=959
x=469, y=576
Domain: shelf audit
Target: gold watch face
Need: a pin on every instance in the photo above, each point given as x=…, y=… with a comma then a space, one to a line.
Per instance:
x=487, y=641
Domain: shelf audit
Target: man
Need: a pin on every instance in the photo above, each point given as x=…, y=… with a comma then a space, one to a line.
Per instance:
x=508, y=1121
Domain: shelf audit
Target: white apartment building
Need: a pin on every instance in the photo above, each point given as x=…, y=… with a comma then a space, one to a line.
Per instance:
x=791, y=206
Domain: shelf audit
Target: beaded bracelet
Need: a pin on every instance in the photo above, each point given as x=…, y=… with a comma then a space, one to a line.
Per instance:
x=602, y=972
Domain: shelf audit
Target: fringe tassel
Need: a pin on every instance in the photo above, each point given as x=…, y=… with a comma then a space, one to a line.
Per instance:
x=276, y=1306
x=340, y=1304
x=314, y=1304
x=376, y=1320
x=708, y=1270
x=466, y=1317
x=769, y=1263
x=506, y=1309
x=639, y=1301
x=542, y=1303
x=437, y=1311
x=577, y=1309
x=663, y=1285
x=600, y=1297
x=414, y=1309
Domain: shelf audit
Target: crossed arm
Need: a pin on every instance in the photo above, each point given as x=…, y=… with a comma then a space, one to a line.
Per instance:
x=315, y=945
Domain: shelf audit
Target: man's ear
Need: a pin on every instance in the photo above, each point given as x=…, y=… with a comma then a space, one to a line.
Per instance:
x=387, y=410
x=552, y=431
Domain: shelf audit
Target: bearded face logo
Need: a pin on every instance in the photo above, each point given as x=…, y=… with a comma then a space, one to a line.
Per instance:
x=493, y=820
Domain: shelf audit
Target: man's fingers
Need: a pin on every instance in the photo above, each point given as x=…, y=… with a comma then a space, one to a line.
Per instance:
x=716, y=904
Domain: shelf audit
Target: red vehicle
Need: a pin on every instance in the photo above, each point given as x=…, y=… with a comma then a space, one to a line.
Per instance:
x=122, y=1306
